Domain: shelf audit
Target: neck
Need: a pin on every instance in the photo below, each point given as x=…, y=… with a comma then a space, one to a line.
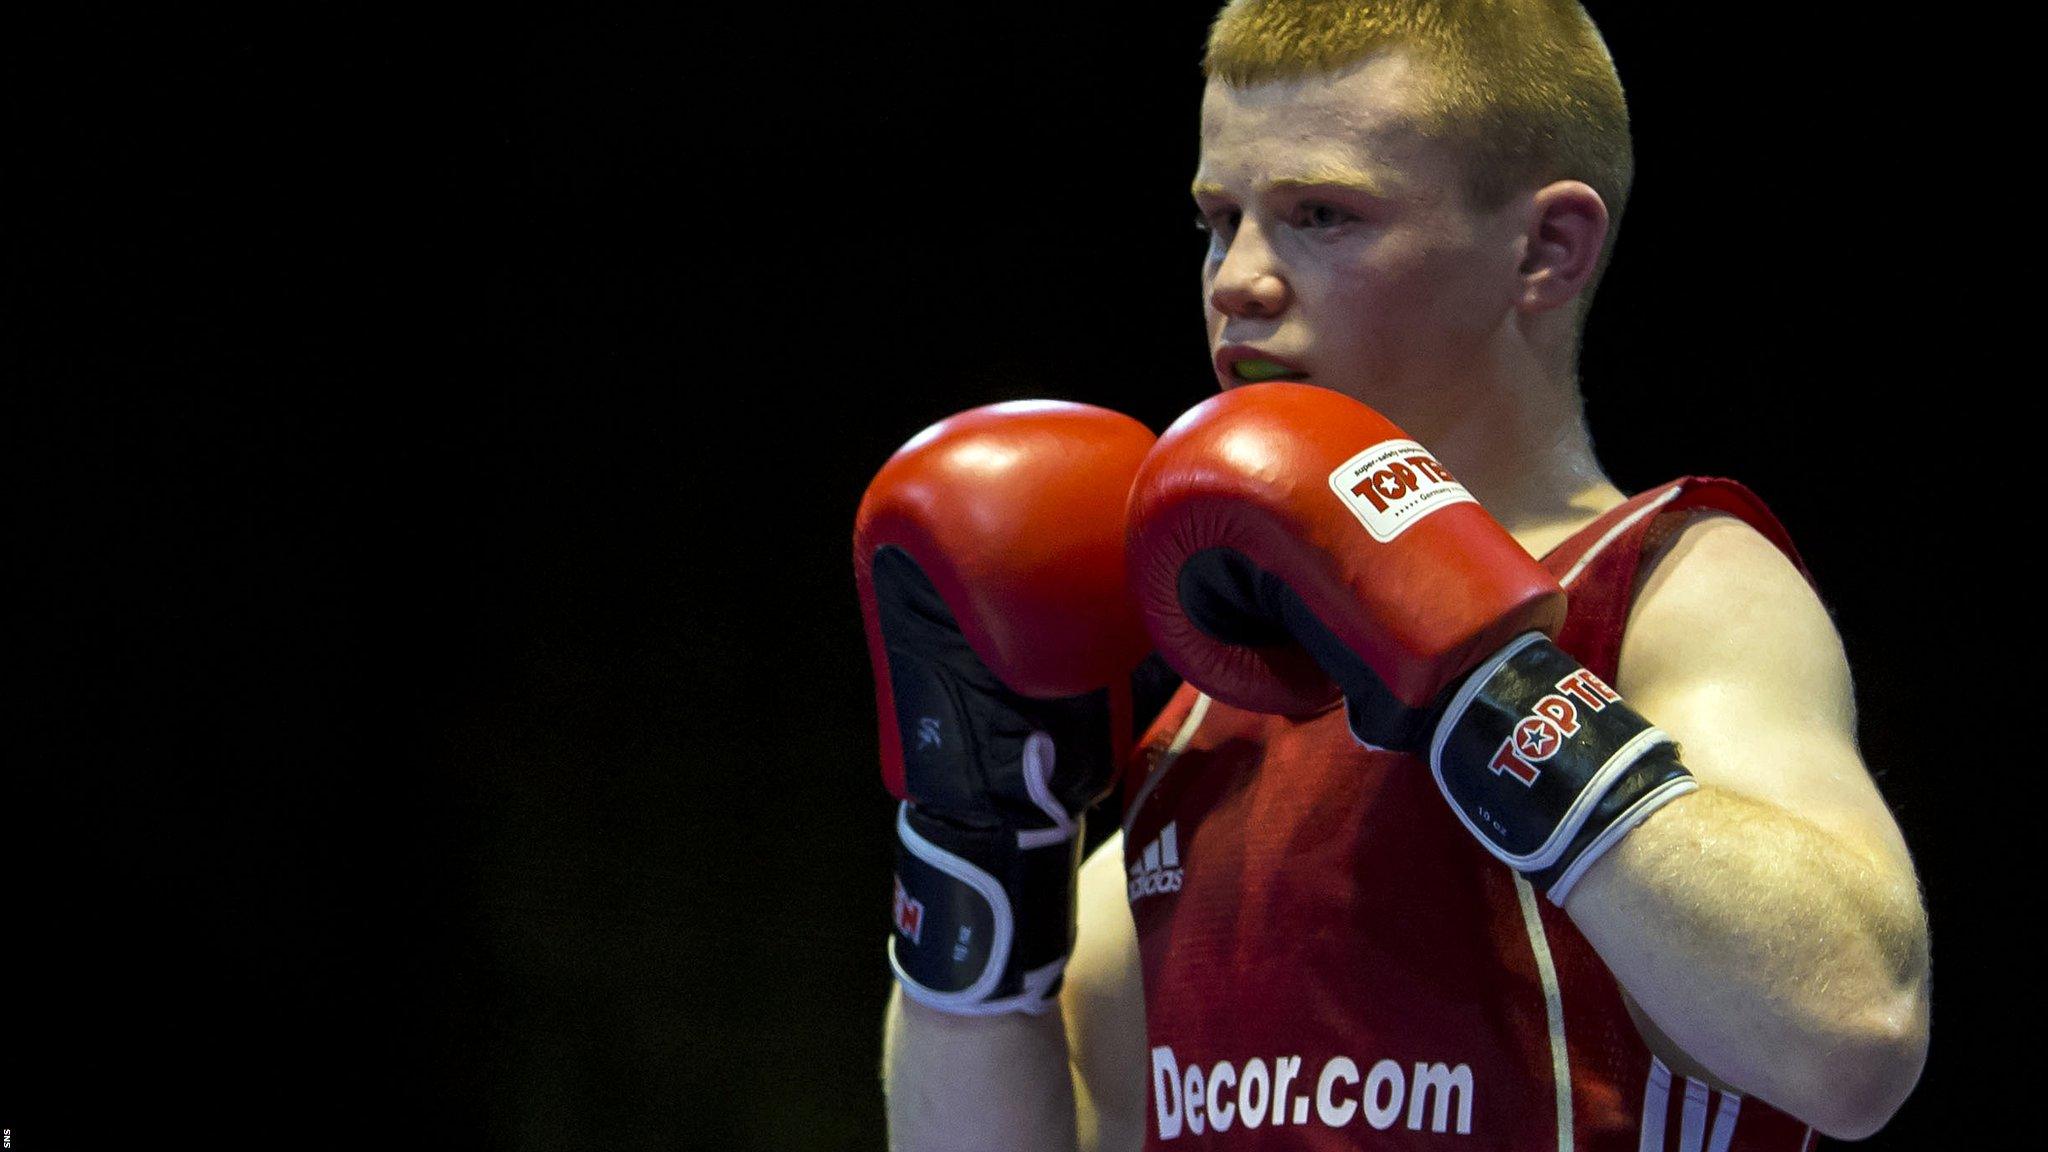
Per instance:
x=1521, y=448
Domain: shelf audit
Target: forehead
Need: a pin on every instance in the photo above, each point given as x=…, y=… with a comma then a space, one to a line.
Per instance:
x=1364, y=120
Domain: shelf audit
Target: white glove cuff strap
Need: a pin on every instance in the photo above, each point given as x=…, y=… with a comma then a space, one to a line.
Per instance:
x=965, y=1000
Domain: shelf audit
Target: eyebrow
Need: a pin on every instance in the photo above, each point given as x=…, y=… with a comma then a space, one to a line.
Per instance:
x=1329, y=177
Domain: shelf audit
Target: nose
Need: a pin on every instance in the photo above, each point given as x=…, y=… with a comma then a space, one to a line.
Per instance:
x=1247, y=283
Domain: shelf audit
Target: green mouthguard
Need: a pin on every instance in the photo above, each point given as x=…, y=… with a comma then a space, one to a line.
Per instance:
x=1257, y=370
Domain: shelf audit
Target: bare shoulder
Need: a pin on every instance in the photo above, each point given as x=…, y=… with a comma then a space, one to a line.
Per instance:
x=1730, y=650
x=1721, y=608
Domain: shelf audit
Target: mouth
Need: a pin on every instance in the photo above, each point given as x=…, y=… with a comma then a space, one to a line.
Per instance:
x=1258, y=371
x=1244, y=364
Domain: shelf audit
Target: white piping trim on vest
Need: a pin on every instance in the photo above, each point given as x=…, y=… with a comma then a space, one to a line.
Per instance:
x=1692, y=1118
x=1722, y=1133
x=1656, y=1098
x=1553, y=1009
x=1601, y=544
x=1698, y=1130
x=1184, y=736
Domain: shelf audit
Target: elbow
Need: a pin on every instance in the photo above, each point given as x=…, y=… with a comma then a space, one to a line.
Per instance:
x=1874, y=1061
x=1863, y=1082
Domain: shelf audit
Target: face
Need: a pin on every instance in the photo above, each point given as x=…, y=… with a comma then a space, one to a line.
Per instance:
x=1342, y=251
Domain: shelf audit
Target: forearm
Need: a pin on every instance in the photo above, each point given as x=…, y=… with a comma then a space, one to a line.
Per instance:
x=1789, y=963
x=996, y=1082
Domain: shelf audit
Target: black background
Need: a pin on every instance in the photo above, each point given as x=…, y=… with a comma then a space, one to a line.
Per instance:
x=439, y=707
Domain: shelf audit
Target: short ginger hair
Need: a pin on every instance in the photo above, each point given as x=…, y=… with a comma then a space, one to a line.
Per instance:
x=1524, y=91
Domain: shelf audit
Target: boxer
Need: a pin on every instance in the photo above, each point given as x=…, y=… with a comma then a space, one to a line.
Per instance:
x=1530, y=818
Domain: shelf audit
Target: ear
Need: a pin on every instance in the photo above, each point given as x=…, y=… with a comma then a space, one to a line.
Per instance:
x=1567, y=228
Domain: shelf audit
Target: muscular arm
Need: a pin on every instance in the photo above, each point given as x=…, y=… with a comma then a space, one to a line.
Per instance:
x=1071, y=1080
x=1769, y=926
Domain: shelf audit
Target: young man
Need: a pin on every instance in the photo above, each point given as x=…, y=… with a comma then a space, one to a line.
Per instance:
x=1410, y=204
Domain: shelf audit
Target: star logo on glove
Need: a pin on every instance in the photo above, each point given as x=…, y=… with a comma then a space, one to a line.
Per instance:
x=1536, y=739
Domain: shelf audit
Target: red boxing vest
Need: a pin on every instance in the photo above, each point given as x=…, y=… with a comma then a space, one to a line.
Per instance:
x=1332, y=961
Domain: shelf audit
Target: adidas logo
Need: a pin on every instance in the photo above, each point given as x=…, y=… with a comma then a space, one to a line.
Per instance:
x=1158, y=869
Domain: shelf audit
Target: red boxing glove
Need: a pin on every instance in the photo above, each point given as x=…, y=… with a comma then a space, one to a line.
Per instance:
x=989, y=557
x=1288, y=544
